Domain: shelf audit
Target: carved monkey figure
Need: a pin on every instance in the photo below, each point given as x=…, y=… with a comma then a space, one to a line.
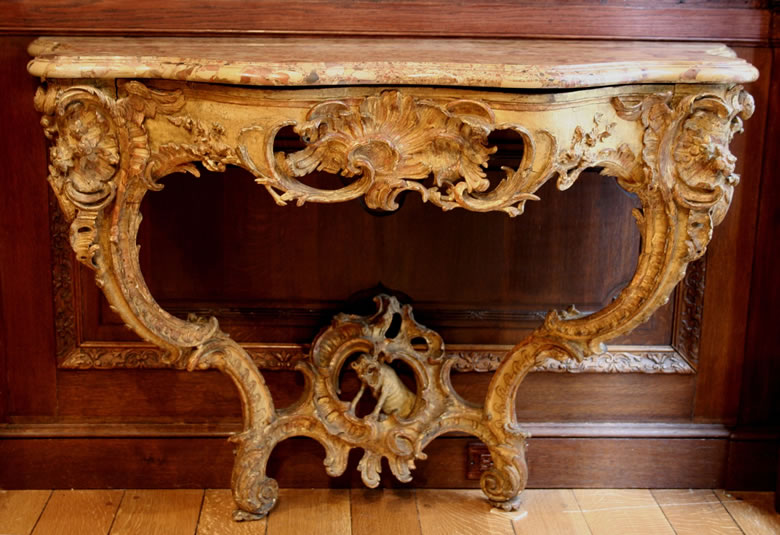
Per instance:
x=391, y=394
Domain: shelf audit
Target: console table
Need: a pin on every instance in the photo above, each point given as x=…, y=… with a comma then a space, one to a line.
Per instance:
x=388, y=116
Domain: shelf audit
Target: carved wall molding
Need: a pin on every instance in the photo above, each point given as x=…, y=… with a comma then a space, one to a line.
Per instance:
x=669, y=147
x=66, y=332
x=689, y=307
x=632, y=359
x=636, y=359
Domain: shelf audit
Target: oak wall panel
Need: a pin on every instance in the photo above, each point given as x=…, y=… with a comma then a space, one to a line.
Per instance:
x=644, y=19
x=25, y=276
x=727, y=292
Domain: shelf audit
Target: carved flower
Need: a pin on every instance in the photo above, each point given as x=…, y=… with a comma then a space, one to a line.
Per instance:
x=85, y=155
x=392, y=138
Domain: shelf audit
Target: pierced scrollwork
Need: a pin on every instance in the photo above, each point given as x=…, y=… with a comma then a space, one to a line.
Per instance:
x=383, y=139
x=671, y=151
x=393, y=142
x=398, y=429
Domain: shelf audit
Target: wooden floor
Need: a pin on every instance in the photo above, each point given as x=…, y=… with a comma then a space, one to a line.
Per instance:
x=395, y=512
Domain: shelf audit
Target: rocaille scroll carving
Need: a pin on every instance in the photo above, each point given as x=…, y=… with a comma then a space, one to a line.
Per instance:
x=391, y=142
x=672, y=153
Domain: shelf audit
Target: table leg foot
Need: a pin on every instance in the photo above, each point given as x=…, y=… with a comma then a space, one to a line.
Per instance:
x=508, y=505
x=254, y=493
x=239, y=515
x=506, y=479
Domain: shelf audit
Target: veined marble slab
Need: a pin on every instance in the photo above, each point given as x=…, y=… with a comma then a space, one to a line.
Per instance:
x=322, y=61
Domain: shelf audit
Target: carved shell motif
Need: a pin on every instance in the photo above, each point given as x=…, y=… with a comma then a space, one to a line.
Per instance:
x=392, y=138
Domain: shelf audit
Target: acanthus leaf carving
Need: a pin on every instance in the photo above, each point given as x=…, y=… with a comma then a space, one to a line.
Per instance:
x=583, y=151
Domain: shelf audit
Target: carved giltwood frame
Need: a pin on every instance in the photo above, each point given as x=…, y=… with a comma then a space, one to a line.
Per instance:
x=666, y=144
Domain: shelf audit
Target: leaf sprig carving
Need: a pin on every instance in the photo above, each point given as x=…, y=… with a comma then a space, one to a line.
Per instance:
x=583, y=151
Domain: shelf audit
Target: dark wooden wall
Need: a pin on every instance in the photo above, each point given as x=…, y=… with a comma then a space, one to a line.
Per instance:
x=475, y=278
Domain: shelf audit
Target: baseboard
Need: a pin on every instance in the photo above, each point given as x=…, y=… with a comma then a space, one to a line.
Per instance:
x=227, y=427
x=595, y=455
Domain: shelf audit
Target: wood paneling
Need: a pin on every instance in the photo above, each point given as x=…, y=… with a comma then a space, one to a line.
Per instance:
x=730, y=262
x=188, y=462
x=3, y=362
x=760, y=401
x=753, y=462
x=166, y=395
x=739, y=332
x=25, y=276
x=273, y=273
x=587, y=19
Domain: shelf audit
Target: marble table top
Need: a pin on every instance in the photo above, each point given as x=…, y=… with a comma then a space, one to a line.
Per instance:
x=323, y=61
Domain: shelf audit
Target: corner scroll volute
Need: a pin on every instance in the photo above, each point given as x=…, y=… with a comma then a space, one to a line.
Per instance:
x=686, y=151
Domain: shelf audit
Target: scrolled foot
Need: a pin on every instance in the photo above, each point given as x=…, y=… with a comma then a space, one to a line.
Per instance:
x=508, y=505
x=239, y=515
x=506, y=479
x=256, y=499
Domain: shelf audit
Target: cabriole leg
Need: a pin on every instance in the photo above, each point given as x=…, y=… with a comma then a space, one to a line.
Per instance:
x=109, y=149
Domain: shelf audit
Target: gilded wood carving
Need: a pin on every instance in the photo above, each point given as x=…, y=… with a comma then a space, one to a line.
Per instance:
x=667, y=145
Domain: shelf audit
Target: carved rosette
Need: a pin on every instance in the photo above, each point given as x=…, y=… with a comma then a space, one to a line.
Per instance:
x=103, y=163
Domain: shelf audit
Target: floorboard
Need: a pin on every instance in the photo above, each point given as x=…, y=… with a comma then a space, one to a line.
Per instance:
x=79, y=512
x=384, y=512
x=695, y=512
x=216, y=516
x=158, y=512
x=550, y=512
x=314, y=511
x=21, y=509
x=460, y=512
x=621, y=511
x=753, y=511
x=390, y=512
